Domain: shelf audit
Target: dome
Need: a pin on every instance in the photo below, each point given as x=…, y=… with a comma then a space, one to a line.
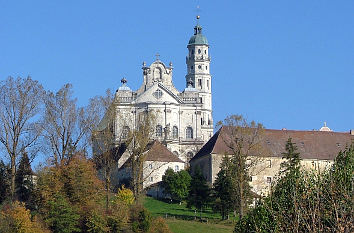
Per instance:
x=124, y=86
x=198, y=38
x=325, y=128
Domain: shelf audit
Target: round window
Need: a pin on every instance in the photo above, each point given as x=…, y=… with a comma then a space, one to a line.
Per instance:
x=199, y=67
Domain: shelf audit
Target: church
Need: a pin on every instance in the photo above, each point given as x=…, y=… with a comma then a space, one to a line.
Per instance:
x=184, y=118
x=184, y=124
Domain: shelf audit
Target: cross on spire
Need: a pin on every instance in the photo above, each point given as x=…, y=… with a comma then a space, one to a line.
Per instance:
x=157, y=56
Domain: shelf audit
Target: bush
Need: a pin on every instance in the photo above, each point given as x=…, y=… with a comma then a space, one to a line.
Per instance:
x=158, y=225
x=140, y=218
x=16, y=218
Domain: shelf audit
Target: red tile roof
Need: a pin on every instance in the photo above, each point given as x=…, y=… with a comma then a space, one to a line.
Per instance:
x=310, y=144
x=158, y=152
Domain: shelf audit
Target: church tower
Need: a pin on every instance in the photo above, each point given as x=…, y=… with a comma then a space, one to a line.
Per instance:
x=198, y=75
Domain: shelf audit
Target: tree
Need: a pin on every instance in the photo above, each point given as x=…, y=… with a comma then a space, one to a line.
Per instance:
x=176, y=184
x=199, y=192
x=224, y=190
x=286, y=194
x=67, y=128
x=61, y=216
x=137, y=143
x=16, y=218
x=4, y=181
x=20, y=102
x=292, y=158
x=243, y=140
x=107, y=145
x=24, y=182
x=338, y=193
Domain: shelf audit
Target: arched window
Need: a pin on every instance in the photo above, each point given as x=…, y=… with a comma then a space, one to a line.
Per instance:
x=189, y=156
x=199, y=51
x=189, y=133
x=125, y=132
x=175, y=132
x=158, y=131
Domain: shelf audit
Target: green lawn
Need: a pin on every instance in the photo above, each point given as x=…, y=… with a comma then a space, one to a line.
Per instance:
x=180, y=219
x=182, y=226
x=161, y=208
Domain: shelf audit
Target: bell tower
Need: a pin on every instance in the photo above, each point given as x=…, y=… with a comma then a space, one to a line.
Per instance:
x=198, y=72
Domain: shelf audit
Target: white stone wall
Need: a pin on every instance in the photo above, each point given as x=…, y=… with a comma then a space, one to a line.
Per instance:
x=264, y=171
x=154, y=170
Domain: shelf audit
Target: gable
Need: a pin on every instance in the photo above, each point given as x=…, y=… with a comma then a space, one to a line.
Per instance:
x=157, y=94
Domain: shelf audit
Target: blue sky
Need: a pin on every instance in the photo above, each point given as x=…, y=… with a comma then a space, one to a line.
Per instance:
x=282, y=63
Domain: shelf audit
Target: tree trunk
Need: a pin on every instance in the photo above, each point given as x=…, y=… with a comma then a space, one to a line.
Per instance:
x=13, y=176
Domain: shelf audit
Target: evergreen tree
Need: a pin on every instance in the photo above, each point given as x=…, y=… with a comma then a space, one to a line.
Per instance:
x=292, y=163
x=23, y=180
x=4, y=181
x=61, y=216
x=287, y=193
x=224, y=190
x=199, y=193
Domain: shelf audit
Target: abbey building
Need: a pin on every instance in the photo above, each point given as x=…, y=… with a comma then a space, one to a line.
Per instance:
x=184, y=119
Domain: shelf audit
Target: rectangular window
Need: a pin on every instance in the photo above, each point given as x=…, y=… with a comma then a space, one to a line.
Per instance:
x=200, y=83
x=269, y=163
x=151, y=179
x=269, y=180
x=176, y=168
x=208, y=84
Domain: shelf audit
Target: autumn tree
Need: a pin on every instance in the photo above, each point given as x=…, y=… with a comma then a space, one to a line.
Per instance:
x=243, y=141
x=16, y=218
x=67, y=127
x=137, y=143
x=107, y=145
x=20, y=104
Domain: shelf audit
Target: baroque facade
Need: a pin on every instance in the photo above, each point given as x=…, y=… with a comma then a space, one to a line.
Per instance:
x=184, y=120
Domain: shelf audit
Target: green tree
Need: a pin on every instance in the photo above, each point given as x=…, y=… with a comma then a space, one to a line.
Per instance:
x=140, y=218
x=224, y=190
x=287, y=192
x=243, y=141
x=4, y=182
x=24, y=182
x=61, y=216
x=338, y=193
x=176, y=184
x=199, y=192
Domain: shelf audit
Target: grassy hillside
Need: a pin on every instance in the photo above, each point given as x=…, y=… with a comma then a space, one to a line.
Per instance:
x=160, y=208
x=183, y=226
x=180, y=219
